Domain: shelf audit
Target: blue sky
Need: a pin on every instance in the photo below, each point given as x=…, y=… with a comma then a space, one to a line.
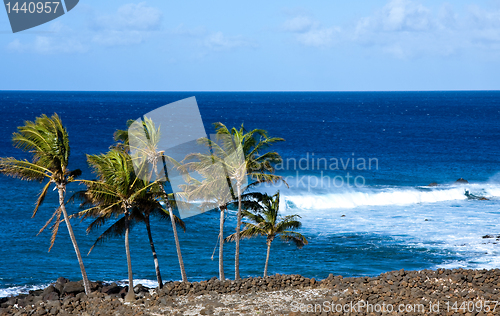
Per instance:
x=258, y=45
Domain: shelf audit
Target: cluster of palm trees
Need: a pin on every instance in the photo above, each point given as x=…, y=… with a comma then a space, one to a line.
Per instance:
x=236, y=162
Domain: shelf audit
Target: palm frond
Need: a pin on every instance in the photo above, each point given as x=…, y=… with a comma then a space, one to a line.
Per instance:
x=23, y=169
x=41, y=197
x=115, y=230
x=48, y=222
x=297, y=238
x=55, y=228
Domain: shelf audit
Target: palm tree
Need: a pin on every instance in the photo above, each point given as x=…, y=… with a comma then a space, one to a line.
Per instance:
x=116, y=193
x=265, y=221
x=145, y=138
x=47, y=140
x=213, y=190
x=258, y=164
x=147, y=206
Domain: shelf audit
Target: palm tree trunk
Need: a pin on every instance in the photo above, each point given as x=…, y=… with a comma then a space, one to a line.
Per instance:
x=130, y=297
x=238, y=228
x=267, y=257
x=174, y=228
x=86, y=283
x=221, y=244
x=176, y=238
x=155, y=257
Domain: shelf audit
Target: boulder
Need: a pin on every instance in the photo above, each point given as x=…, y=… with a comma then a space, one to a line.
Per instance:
x=140, y=288
x=433, y=184
x=9, y=302
x=49, y=290
x=112, y=288
x=95, y=286
x=73, y=288
x=123, y=292
x=461, y=181
x=50, y=293
x=62, y=280
x=53, y=296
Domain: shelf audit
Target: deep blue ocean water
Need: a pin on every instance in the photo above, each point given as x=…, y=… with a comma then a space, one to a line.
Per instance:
x=389, y=221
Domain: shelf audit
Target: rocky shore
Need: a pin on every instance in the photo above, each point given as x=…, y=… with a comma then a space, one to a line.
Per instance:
x=427, y=292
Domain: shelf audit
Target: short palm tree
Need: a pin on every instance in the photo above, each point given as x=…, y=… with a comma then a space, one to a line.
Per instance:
x=258, y=165
x=146, y=206
x=265, y=221
x=116, y=193
x=47, y=139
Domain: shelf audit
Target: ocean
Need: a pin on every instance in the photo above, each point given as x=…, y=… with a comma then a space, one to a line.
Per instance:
x=358, y=165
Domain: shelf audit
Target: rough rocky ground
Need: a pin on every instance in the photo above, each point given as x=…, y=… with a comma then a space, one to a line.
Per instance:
x=441, y=292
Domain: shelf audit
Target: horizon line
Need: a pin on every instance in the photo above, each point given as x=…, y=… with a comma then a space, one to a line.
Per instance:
x=257, y=91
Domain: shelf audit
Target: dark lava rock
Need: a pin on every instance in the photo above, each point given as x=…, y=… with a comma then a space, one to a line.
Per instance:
x=140, y=288
x=62, y=280
x=112, y=288
x=73, y=288
x=49, y=289
x=461, y=181
x=123, y=292
x=50, y=293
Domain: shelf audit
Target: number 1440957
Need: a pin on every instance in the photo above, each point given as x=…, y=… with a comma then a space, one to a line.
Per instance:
x=32, y=7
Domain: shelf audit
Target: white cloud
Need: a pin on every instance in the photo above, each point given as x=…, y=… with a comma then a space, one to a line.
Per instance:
x=486, y=26
x=309, y=32
x=396, y=16
x=182, y=30
x=130, y=24
x=116, y=38
x=48, y=45
x=406, y=29
x=136, y=17
x=219, y=41
x=447, y=18
x=318, y=37
x=15, y=46
x=299, y=24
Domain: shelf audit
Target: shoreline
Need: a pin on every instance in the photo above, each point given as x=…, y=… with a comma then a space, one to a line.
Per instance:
x=438, y=292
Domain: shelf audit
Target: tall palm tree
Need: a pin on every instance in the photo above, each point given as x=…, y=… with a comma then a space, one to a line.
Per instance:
x=258, y=164
x=145, y=138
x=116, y=193
x=266, y=221
x=47, y=140
x=213, y=190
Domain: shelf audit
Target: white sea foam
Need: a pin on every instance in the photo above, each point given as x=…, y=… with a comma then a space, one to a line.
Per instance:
x=15, y=290
x=147, y=283
x=378, y=197
x=437, y=218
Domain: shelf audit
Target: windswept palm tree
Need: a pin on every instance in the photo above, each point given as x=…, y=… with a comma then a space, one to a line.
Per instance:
x=145, y=138
x=116, y=193
x=266, y=221
x=47, y=140
x=258, y=164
